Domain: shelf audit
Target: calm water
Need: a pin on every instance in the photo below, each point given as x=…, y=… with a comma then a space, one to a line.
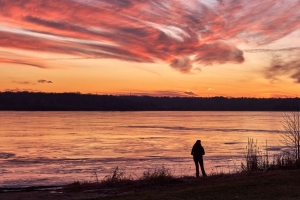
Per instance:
x=53, y=148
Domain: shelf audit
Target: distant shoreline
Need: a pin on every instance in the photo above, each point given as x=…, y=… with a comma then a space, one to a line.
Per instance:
x=37, y=101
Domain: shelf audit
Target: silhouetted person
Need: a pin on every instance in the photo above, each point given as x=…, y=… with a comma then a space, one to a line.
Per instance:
x=198, y=152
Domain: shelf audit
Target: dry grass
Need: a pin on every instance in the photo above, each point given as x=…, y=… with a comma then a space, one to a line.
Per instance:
x=118, y=178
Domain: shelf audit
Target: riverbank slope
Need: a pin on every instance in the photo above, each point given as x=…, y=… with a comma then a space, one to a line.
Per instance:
x=254, y=185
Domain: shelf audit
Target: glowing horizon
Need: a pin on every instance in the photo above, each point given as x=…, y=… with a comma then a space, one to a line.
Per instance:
x=155, y=47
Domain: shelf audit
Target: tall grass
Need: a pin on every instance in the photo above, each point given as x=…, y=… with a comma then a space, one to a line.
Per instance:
x=254, y=158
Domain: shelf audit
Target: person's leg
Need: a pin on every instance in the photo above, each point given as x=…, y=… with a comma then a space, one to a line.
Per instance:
x=202, y=167
x=197, y=167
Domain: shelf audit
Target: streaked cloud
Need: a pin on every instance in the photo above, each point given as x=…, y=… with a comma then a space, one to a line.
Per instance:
x=271, y=50
x=32, y=82
x=163, y=93
x=22, y=62
x=21, y=90
x=279, y=69
x=24, y=82
x=183, y=34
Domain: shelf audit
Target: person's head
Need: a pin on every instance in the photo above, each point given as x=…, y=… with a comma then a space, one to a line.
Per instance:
x=198, y=142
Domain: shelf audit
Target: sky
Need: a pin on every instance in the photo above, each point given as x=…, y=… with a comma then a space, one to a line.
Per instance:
x=202, y=48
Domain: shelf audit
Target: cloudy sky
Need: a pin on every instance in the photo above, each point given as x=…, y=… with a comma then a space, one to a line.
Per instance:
x=233, y=48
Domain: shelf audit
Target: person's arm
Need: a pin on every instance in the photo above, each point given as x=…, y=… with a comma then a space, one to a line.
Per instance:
x=192, y=152
x=203, y=152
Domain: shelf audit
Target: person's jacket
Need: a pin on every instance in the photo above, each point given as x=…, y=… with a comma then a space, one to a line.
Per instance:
x=197, y=151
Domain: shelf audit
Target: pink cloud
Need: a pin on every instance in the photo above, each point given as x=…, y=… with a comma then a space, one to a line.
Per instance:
x=176, y=32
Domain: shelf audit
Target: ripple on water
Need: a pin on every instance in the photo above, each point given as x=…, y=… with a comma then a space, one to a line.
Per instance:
x=5, y=155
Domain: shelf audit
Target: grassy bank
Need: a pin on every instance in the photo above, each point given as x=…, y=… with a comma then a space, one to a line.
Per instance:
x=247, y=185
x=276, y=184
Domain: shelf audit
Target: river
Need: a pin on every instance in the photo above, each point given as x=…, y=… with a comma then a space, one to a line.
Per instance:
x=54, y=148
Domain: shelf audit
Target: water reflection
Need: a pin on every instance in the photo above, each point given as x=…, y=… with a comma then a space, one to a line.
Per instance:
x=40, y=148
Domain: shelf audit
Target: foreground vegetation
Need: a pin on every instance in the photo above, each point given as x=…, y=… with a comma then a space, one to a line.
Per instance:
x=282, y=184
x=260, y=177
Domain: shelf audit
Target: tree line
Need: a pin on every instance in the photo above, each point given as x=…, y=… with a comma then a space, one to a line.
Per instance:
x=38, y=101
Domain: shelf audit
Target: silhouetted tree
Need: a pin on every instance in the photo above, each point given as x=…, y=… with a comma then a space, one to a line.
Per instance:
x=76, y=101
